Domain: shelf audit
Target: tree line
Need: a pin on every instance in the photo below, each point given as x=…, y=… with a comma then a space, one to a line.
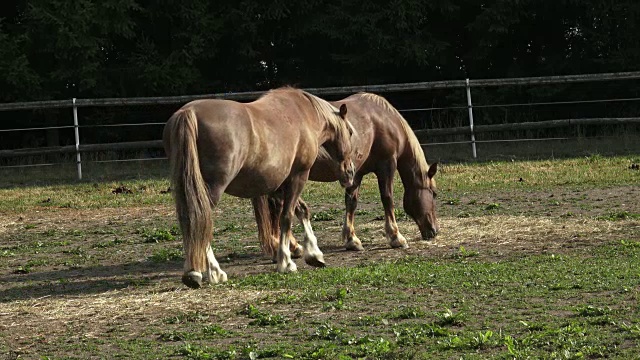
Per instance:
x=59, y=49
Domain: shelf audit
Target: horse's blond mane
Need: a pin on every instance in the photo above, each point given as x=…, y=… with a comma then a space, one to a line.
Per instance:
x=414, y=144
x=330, y=113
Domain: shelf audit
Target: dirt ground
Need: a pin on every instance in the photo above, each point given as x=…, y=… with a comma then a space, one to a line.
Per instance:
x=523, y=222
x=86, y=265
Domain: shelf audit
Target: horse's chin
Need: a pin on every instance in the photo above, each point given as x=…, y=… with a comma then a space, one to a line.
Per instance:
x=346, y=183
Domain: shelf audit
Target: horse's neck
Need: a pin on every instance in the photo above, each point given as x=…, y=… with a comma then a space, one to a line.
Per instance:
x=327, y=134
x=409, y=173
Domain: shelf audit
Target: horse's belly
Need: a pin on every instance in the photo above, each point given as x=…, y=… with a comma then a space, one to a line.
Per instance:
x=249, y=184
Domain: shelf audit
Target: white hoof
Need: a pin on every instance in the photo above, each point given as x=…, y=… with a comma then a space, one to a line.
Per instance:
x=216, y=277
x=316, y=260
x=287, y=268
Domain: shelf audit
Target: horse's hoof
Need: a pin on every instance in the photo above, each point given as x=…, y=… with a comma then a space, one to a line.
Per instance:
x=289, y=268
x=315, y=261
x=397, y=244
x=354, y=245
x=192, y=279
x=398, y=241
x=222, y=277
x=297, y=252
x=216, y=277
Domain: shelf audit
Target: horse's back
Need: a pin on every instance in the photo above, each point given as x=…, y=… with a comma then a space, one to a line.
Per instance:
x=251, y=148
x=224, y=128
x=224, y=138
x=387, y=124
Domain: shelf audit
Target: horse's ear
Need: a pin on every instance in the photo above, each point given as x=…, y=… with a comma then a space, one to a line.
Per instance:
x=432, y=170
x=343, y=110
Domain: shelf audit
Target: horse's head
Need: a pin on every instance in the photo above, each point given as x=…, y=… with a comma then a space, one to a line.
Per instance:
x=419, y=203
x=340, y=148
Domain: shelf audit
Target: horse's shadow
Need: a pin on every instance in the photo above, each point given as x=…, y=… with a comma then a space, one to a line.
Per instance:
x=103, y=278
x=83, y=281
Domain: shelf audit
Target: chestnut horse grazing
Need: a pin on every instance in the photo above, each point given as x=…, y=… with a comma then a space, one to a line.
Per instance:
x=383, y=143
x=248, y=150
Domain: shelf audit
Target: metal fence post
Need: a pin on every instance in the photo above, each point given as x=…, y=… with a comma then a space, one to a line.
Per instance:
x=77, y=134
x=470, y=107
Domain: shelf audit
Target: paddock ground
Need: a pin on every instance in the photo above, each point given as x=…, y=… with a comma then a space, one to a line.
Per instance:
x=86, y=272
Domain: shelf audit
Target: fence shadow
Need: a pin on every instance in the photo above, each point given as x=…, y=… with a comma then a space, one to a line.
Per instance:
x=65, y=174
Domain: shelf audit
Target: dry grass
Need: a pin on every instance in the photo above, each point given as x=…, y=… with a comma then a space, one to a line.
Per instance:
x=126, y=312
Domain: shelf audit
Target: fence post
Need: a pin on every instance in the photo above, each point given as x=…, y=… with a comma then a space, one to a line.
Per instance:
x=77, y=134
x=470, y=107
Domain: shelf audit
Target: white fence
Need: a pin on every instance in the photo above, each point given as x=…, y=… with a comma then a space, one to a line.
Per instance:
x=471, y=130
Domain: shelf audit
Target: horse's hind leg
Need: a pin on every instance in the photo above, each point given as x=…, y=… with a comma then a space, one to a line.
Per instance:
x=351, y=241
x=312, y=254
x=385, y=184
x=214, y=273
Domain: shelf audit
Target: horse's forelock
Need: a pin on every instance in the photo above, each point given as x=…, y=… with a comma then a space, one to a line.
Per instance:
x=323, y=154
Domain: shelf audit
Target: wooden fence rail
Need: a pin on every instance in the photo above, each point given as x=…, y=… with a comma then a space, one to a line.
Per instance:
x=548, y=124
x=466, y=84
x=133, y=145
x=463, y=130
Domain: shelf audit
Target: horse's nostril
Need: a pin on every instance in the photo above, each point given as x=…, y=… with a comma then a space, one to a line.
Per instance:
x=429, y=233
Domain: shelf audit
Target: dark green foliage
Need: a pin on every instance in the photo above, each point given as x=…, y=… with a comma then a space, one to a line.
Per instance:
x=58, y=49
x=261, y=318
x=61, y=49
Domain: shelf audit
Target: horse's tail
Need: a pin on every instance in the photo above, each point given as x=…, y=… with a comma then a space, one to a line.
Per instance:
x=267, y=209
x=193, y=206
x=266, y=228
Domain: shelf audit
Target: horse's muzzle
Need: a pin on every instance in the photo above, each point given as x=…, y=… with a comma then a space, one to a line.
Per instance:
x=429, y=233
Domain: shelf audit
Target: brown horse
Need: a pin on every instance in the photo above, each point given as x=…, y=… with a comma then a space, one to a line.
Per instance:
x=248, y=150
x=383, y=143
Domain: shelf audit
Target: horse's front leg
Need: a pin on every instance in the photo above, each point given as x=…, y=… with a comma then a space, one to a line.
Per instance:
x=385, y=184
x=291, y=191
x=312, y=254
x=351, y=241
